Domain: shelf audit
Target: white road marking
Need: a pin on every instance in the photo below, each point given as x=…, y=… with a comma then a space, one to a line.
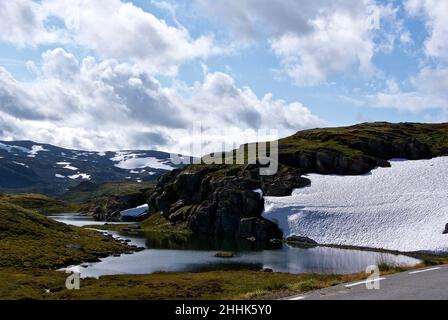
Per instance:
x=363, y=282
x=297, y=298
x=426, y=270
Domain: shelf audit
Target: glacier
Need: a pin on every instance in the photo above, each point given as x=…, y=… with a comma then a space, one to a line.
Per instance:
x=404, y=207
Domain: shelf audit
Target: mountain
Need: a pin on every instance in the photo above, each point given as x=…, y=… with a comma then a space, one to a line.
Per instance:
x=27, y=166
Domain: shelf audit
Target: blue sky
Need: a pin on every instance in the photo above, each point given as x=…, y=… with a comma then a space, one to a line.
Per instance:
x=138, y=74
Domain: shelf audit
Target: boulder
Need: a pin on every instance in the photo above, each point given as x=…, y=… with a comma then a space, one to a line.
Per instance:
x=259, y=228
x=300, y=240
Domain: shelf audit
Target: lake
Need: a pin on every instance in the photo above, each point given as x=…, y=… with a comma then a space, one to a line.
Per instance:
x=174, y=254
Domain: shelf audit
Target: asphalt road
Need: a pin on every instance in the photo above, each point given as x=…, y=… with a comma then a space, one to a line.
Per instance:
x=424, y=284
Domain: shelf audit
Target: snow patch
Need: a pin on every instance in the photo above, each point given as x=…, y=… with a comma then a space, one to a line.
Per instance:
x=21, y=164
x=67, y=165
x=35, y=150
x=132, y=161
x=80, y=175
x=60, y=176
x=135, y=212
x=9, y=148
x=404, y=207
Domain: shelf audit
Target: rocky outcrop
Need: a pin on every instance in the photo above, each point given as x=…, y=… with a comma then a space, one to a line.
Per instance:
x=325, y=161
x=227, y=201
x=109, y=208
x=218, y=204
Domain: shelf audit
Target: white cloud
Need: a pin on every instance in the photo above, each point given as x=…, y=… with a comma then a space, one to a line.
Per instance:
x=313, y=39
x=102, y=105
x=22, y=22
x=59, y=64
x=429, y=90
x=435, y=13
x=111, y=28
x=115, y=29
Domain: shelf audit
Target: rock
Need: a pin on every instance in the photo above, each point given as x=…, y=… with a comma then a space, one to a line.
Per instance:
x=259, y=228
x=225, y=255
x=446, y=229
x=220, y=216
x=300, y=240
x=268, y=270
x=74, y=246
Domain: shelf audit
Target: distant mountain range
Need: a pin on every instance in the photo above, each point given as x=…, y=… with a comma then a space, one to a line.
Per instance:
x=27, y=166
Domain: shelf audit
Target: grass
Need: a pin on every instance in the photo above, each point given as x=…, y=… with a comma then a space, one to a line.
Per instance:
x=110, y=189
x=15, y=284
x=352, y=140
x=31, y=283
x=40, y=203
x=31, y=240
x=158, y=223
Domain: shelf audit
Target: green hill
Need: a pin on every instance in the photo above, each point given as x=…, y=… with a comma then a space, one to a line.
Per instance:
x=39, y=203
x=31, y=240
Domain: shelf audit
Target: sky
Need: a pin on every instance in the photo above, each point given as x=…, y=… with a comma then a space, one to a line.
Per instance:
x=142, y=74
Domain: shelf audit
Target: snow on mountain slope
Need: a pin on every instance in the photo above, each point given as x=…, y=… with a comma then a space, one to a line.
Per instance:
x=130, y=161
x=26, y=166
x=404, y=207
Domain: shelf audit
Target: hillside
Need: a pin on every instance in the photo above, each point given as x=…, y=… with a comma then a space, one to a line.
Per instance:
x=30, y=167
x=219, y=200
x=39, y=203
x=31, y=240
x=104, y=201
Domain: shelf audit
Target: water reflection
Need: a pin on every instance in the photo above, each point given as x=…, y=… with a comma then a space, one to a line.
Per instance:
x=194, y=254
x=177, y=254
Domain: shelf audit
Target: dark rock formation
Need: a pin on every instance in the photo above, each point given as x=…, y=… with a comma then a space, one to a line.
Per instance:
x=109, y=208
x=259, y=228
x=216, y=205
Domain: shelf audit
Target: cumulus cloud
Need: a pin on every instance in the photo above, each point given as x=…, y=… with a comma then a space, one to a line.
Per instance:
x=429, y=90
x=434, y=12
x=111, y=28
x=313, y=39
x=23, y=22
x=124, y=31
x=106, y=104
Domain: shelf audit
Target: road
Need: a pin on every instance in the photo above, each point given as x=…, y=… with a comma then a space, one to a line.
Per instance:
x=423, y=284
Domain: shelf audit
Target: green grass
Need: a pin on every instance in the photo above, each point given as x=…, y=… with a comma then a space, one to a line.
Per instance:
x=110, y=189
x=31, y=240
x=343, y=139
x=40, y=203
x=158, y=223
x=19, y=284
